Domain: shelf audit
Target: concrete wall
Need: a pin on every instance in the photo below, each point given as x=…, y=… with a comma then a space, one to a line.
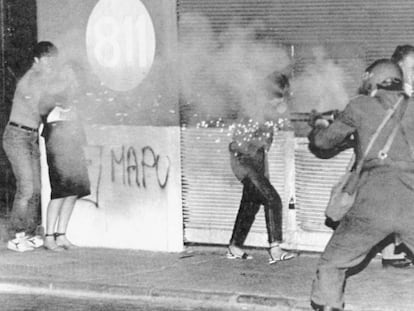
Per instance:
x=136, y=190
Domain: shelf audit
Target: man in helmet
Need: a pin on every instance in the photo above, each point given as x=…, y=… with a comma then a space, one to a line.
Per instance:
x=385, y=189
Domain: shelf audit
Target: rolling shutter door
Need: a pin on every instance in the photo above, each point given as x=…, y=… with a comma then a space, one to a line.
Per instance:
x=377, y=26
x=313, y=182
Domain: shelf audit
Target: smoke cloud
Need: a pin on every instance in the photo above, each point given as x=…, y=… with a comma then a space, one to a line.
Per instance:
x=323, y=85
x=224, y=74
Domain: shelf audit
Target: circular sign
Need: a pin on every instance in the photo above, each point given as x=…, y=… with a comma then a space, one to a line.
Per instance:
x=120, y=43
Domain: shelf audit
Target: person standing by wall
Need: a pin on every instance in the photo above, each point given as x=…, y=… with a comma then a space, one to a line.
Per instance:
x=20, y=143
x=248, y=154
x=384, y=196
x=68, y=174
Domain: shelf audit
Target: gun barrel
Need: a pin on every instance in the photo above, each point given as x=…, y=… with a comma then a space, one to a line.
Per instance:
x=299, y=120
x=305, y=116
x=299, y=117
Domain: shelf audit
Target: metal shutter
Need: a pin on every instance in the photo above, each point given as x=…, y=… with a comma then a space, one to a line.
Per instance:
x=377, y=25
x=314, y=179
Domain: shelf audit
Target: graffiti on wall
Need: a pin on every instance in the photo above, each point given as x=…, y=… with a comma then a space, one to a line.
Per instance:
x=135, y=165
x=128, y=166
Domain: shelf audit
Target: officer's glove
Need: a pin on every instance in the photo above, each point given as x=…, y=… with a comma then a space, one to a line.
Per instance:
x=316, y=120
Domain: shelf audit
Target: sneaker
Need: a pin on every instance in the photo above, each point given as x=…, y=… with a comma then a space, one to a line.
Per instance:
x=35, y=241
x=20, y=245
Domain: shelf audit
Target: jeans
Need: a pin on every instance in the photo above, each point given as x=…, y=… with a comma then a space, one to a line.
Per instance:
x=257, y=190
x=22, y=150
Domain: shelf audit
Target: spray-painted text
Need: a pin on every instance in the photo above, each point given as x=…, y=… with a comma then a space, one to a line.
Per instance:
x=133, y=167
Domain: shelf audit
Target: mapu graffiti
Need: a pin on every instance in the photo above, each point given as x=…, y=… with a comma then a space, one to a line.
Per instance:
x=129, y=166
x=134, y=172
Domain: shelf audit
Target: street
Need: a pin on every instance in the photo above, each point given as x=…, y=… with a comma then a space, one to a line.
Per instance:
x=45, y=302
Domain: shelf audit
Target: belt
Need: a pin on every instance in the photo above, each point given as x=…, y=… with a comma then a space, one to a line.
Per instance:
x=23, y=127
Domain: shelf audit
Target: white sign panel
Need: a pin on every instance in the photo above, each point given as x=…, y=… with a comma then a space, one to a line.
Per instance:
x=120, y=43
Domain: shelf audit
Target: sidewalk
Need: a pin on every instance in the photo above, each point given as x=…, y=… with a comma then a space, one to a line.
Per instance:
x=201, y=274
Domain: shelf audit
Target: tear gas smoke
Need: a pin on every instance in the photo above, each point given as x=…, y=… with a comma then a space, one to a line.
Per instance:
x=322, y=85
x=224, y=74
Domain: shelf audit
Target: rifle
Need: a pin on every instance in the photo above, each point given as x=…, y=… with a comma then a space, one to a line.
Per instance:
x=329, y=115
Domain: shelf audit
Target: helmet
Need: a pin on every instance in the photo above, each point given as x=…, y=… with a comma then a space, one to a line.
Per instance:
x=382, y=74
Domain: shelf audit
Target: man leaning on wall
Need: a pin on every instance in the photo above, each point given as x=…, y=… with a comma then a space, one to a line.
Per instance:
x=21, y=145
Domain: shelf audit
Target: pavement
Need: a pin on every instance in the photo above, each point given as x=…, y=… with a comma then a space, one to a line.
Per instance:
x=201, y=274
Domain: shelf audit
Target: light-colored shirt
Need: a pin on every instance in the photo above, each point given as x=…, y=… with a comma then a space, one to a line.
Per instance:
x=35, y=94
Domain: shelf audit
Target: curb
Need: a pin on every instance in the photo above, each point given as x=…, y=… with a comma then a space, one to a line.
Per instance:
x=132, y=292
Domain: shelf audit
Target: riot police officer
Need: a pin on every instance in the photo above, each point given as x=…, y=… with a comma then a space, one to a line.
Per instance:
x=385, y=190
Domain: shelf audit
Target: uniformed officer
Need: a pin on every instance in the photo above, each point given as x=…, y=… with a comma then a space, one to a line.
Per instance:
x=385, y=191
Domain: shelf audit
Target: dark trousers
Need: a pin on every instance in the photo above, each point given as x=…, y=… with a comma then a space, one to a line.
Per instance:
x=384, y=205
x=257, y=190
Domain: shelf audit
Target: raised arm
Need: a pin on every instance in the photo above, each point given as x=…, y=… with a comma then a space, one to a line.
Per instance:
x=328, y=139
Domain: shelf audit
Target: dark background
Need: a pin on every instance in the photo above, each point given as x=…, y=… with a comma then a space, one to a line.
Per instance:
x=18, y=34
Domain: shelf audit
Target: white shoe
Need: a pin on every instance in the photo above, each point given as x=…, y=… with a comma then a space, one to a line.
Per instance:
x=35, y=241
x=20, y=245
